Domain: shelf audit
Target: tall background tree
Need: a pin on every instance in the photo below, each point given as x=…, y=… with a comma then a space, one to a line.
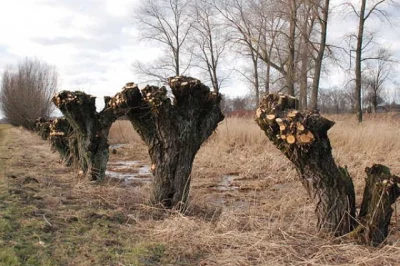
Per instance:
x=26, y=92
x=364, y=12
x=377, y=73
x=208, y=42
x=166, y=23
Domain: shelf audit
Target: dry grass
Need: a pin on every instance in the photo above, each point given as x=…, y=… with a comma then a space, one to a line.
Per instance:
x=261, y=216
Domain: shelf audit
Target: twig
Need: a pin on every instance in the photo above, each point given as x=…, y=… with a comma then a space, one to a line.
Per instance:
x=47, y=221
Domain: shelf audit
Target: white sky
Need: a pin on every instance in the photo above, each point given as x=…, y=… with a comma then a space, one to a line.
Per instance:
x=93, y=43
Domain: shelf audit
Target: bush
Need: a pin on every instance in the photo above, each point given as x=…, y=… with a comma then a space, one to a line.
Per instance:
x=26, y=92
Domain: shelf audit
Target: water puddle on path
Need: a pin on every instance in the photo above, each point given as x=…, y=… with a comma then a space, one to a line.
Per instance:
x=226, y=183
x=117, y=146
x=129, y=171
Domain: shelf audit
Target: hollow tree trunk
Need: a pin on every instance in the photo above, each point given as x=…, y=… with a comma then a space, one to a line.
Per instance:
x=90, y=130
x=173, y=132
x=302, y=137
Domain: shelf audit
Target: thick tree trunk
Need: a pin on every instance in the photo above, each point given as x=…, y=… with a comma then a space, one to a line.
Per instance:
x=302, y=137
x=173, y=132
x=380, y=192
x=90, y=130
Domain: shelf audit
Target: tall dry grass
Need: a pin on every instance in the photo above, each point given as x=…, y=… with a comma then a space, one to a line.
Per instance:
x=263, y=216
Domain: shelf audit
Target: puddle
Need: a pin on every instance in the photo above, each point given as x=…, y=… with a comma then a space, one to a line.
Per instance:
x=117, y=146
x=226, y=183
x=129, y=171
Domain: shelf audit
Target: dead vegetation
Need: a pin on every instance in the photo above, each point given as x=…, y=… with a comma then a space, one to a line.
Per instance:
x=246, y=207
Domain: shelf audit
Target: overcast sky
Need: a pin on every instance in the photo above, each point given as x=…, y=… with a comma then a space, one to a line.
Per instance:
x=94, y=42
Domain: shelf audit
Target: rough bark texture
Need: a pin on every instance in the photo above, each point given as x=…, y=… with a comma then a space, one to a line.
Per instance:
x=61, y=137
x=380, y=192
x=63, y=141
x=173, y=131
x=323, y=20
x=359, y=49
x=90, y=130
x=42, y=127
x=302, y=137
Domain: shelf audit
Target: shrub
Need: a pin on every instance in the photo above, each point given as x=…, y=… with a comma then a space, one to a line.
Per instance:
x=26, y=92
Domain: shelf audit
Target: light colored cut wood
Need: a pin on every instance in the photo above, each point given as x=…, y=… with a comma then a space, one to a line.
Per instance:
x=293, y=114
x=300, y=127
x=305, y=137
x=258, y=112
x=290, y=139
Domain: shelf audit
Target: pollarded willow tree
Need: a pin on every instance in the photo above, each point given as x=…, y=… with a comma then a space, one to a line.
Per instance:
x=303, y=139
x=90, y=130
x=61, y=136
x=173, y=130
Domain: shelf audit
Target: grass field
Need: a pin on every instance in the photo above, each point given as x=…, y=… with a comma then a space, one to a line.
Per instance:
x=246, y=205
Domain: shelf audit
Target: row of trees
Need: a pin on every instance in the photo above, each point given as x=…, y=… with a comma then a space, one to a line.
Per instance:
x=174, y=128
x=282, y=45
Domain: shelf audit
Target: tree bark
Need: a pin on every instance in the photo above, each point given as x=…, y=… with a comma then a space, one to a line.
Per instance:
x=42, y=127
x=61, y=137
x=320, y=56
x=173, y=131
x=380, y=192
x=290, y=77
x=304, y=77
x=63, y=140
x=303, y=139
x=90, y=130
x=359, y=49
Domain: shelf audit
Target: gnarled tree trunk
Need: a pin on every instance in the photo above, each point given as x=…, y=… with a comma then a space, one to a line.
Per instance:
x=90, y=130
x=173, y=131
x=42, y=127
x=61, y=137
x=63, y=141
x=302, y=137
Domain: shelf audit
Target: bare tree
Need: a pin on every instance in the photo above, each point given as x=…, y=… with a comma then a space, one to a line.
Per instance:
x=306, y=26
x=209, y=41
x=237, y=16
x=322, y=11
x=303, y=139
x=26, y=92
x=376, y=74
x=365, y=11
x=167, y=23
